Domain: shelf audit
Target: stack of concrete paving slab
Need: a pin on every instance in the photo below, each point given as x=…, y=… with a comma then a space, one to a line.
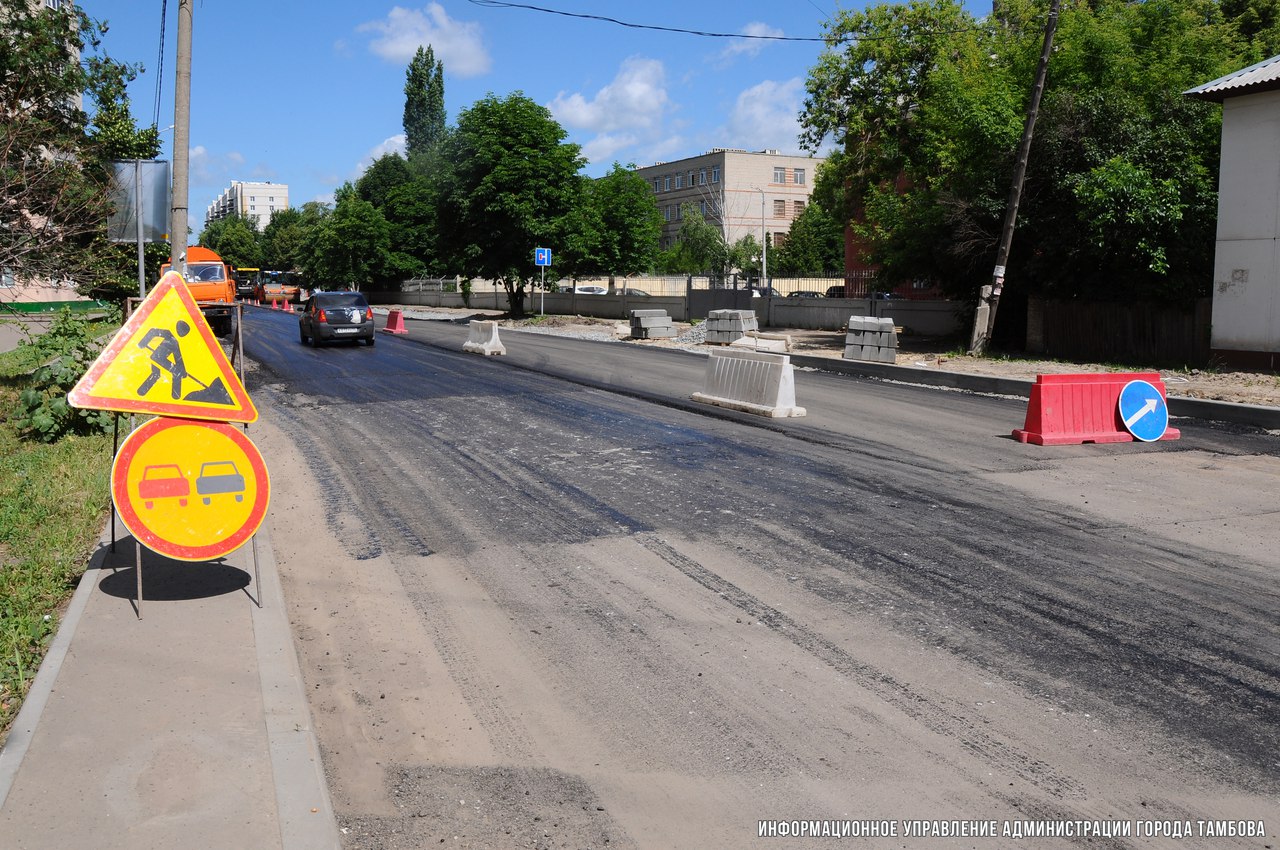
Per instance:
x=870, y=339
x=725, y=326
x=651, y=324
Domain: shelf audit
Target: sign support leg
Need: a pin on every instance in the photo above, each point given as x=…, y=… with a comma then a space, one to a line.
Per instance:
x=257, y=575
x=137, y=562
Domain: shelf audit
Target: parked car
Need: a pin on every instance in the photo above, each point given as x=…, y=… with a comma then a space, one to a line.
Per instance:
x=835, y=291
x=634, y=293
x=330, y=316
x=805, y=293
x=591, y=289
x=764, y=292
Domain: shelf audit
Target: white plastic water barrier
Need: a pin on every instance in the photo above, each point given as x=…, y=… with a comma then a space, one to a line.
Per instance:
x=751, y=381
x=482, y=338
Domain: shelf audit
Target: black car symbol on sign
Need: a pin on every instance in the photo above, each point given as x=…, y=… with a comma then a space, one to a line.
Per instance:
x=217, y=477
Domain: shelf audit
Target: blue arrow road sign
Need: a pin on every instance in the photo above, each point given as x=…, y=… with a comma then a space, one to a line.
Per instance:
x=1143, y=411
x=542, y=256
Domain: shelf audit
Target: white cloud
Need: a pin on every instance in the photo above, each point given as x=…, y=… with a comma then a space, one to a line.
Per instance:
x=392, y=144
x=212, y=169
x=750, y=46
x=603, y=147
x=767, y=116
x=458, y=44
x=635, y=100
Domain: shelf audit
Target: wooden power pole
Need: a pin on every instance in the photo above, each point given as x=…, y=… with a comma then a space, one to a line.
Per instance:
x=984, y=321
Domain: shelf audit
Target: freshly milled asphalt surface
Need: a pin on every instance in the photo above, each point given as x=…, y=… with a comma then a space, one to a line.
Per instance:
x=687, y=619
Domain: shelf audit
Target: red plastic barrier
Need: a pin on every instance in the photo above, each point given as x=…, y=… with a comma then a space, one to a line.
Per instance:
x=395, y=323
x=1069, y=409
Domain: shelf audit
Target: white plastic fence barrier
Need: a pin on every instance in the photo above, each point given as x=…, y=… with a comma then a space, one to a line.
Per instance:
x=751, y=381
x=482, y=338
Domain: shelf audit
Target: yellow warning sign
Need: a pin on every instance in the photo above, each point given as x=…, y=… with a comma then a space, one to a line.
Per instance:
x=190, y=490
x=165, y=360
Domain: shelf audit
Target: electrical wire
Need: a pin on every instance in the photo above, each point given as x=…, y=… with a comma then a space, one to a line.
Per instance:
x=502, y=4
x=155, y=115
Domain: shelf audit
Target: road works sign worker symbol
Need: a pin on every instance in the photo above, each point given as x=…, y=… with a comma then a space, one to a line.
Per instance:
x=1143, y=411
x=166, y=356
x=190, y=490
x=165, y=360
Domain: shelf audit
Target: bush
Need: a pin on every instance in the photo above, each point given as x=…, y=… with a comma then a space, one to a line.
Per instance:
x=43, y=413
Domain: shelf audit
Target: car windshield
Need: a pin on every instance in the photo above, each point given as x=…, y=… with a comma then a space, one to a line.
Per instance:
x=205, y=271
x=341, y=299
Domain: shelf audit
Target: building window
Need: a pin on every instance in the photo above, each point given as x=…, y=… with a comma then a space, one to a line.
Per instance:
x=797, y=176
x=666, y=183
x=666, y=213
x=779, y=209
x=779, y=174
x=779, y=239
x=679, y=181
x=679, y=213
x=53, y=4
x=799, y=207
x=702, y=177
x=657, y=185
x=702, y=207
x=272, y=199
x=715, y=174
x=252, y=198
x=7, y=280
x=252, y=207
x=690, y=179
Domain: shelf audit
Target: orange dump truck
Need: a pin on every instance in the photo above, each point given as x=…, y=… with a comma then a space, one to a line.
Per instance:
x=213, y=286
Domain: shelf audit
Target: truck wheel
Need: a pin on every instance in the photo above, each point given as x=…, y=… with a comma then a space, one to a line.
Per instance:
x=369, y=342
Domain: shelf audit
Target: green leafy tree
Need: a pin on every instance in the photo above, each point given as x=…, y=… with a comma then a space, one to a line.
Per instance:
x=352, y=244
x=925, y=107
x=54, y=174
x=615, y=229
x=388, y=172
x=410, y=209
x=424, y=112
x=287, y=238
x=510, y=183
x=700, y=246
x=814, y=246
x=236, y=239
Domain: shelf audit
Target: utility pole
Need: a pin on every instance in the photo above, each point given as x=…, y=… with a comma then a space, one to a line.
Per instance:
x=181, y=141
x=984, y=321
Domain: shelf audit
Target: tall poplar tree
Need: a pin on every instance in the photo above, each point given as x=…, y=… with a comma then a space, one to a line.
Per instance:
x=424, y=113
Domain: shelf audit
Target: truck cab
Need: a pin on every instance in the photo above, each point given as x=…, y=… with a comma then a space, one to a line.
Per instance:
x=213, y=286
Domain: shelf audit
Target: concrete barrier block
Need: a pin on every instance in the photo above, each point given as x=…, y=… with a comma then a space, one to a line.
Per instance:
x=750, y=381
x=723, y=337
x=663, y=321
x=667, y=332
x=888, y=355
x=647, y=314
x=754, y=341
x=482, y=338
x=853, y=352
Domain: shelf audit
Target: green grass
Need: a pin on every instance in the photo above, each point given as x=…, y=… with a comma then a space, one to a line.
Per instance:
x=53, y=503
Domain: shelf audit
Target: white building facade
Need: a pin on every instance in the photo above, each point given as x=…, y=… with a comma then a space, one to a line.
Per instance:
x=252, y=200
x=742, y=192
x=1246, y=266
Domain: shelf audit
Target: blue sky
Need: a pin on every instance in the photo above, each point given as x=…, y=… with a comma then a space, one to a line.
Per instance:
x=308, y=93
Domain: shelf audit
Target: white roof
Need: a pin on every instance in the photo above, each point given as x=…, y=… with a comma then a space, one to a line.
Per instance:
x=1265, y=76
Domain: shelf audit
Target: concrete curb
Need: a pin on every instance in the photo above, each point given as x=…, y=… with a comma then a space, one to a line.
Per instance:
x=304, y=808
x=1255, y=415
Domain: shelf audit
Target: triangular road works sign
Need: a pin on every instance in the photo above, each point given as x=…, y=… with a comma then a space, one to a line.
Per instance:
x=165, y=360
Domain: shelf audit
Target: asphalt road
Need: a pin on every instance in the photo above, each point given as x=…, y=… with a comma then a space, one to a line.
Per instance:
x=546, y=600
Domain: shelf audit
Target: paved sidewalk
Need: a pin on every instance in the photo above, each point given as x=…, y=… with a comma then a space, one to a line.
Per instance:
x=188, y=727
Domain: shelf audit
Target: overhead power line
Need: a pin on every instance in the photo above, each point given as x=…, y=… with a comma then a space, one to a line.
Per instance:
x=502, y=4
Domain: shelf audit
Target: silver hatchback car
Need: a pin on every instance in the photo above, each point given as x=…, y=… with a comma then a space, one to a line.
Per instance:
x=330, y=316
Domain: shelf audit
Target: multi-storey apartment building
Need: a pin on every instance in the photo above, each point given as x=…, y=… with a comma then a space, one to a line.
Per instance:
x=258, y=200
x=742, y=192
